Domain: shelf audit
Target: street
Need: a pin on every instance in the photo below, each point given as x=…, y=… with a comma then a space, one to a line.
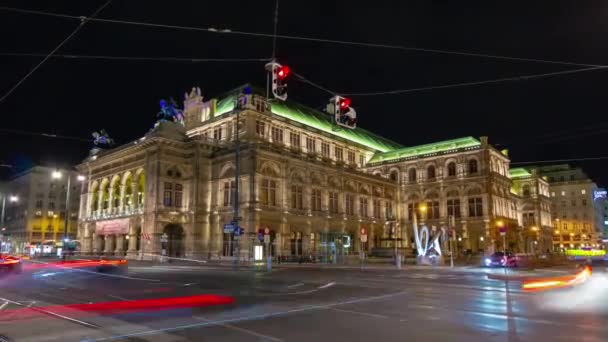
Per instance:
x=298, y=304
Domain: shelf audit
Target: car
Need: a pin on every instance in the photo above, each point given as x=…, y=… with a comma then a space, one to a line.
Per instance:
x=10, y=264
x=498, y=259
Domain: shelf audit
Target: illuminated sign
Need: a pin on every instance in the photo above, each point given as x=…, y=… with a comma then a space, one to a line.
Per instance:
x=599, y=194
x=585, y=253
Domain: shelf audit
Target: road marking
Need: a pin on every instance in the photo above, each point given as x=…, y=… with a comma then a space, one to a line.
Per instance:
x=361, y=313
x=3, y=305
x=249, y=318
x=50, y=313
x=121, y=298
x=97, y=273
x=190, y=284
x=327, y=285
x=243, y=330
x=295, y=285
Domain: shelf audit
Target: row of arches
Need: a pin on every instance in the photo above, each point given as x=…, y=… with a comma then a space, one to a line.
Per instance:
x=118, y=192
x=432, y=172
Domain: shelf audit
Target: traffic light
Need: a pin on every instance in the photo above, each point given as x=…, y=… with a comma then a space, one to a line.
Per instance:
x=280, y=74
x=344, y=114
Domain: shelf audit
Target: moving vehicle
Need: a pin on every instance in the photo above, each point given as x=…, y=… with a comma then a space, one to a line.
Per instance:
x=10, y=264
x=499, y=259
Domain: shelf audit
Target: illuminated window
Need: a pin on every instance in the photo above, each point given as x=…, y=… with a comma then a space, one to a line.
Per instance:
x=269, y=192
x=583, y=191
x=563, y=193
x=389, y=210
x=475, y=207
x=168, y=195
x=454, y=207
x=178, y=195
x=260, y=128
x=552, y=193
x=432, y=210
x=361, y=160
x=310, y=145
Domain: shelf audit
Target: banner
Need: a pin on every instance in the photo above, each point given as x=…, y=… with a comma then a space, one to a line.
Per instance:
x=112, y=227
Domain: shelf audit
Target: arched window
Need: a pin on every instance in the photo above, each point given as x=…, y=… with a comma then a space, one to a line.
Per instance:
x=451, y=169
x=430, y=172
x=411, y=175
x=526, y=190
x=473, y=166
x=394, y=176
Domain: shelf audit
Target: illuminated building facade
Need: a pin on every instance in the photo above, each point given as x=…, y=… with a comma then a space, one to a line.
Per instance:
x=578, y=217
x=38, y=215
x=315, y=186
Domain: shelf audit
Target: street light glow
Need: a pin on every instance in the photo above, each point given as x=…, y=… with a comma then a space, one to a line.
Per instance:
x=13, y=198
x=56, y=174
x=81, y=178
x=534, y=228
x=422, y=208
x=500, y=223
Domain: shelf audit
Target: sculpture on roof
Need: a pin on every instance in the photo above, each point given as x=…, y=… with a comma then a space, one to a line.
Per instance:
x=169, y=111
x=102, y=138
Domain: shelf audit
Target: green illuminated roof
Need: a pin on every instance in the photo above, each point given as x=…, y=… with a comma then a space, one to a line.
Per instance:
x=415, y=151
x=519, y=172
x=312, y=118
x=324, y=122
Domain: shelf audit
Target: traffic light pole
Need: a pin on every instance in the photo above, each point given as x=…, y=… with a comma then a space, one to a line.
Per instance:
x=66, y=219
x=235, y=219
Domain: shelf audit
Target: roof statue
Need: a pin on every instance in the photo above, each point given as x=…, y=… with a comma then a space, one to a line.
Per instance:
x=169, y=111
x=102, y=138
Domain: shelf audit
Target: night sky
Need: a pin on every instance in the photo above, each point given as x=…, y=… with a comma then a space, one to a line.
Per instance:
x=558, y=117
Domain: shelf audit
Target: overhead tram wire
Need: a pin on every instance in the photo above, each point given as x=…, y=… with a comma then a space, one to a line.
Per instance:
x=302, y=38
x=138, y=58
x=455, y=85
x=43, y=134
x=83, y=21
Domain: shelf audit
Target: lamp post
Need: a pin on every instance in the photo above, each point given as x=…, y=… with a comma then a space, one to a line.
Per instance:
x=536, y=237
x=503, y=232
x=58, y=175
x=11, y=199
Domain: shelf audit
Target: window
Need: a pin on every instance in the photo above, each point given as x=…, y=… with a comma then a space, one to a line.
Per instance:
x=351, y=157
x=430, y=172
x=563, y=193
x=315, y=199
x=217, y=133
x=411, y=175
x=168, y=195
x=451, y=169
x=552, y=193
x=229, y=189
x=573, y=202
x=563, y=203
x=277, y=135
x=376, y=208
x=50, y=213
x=296, y=197
x=571, y=177
x=583, y=191
x=587, y=227
x=349, y=204
x=454, y=207
x=333, y=202
x=394, y=176
x=38, y=204
x=52, y=205
x=361, y=160
x=410, y=210
x=432, y=210
x=294, y=140
x=475, y=207
x=389, y=210
x=338, y=153
x=325, y=149
x=584, y=202
x=52, y=195
x=526, y=190
x=311, y=145
x=561, y=178
x=528, y=219
x=363, y=205
x=38, y=213
x=260, y=128
x=473, y=167
x=269, y=192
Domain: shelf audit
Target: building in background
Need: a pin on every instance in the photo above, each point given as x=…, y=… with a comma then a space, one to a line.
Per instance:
x=577, y=207
x=37, y=215
x=531, y=193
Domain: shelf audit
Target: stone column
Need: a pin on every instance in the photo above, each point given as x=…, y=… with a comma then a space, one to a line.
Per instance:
x=206, y=237
x=121, y=204
x=109, y=244
x=216, y=238
x=120, y=240
x=134, y=195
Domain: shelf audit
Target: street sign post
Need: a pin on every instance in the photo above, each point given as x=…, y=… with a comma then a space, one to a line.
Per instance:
x=228, y=228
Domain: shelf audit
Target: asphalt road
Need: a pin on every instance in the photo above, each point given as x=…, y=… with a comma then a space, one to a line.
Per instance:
x=299, y=304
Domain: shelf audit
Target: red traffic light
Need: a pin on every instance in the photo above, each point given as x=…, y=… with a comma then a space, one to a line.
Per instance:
x=345, y=103
x=283, y=72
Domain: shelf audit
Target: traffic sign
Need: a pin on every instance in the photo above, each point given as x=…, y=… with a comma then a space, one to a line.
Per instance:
x=238, y=231
x=228, y=228
x=503, y=231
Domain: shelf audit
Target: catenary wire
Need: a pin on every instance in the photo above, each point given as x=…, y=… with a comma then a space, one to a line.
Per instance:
x=559, y=160
x=302, y=38
x=42, y=134
x=137, y=58
x=83, y=22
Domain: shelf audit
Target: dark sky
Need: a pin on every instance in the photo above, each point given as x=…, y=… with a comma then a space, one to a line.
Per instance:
x=550, y=118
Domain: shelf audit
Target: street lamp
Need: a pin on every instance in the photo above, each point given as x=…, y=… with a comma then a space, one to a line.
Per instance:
x=503, y=232
x=58, y=175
